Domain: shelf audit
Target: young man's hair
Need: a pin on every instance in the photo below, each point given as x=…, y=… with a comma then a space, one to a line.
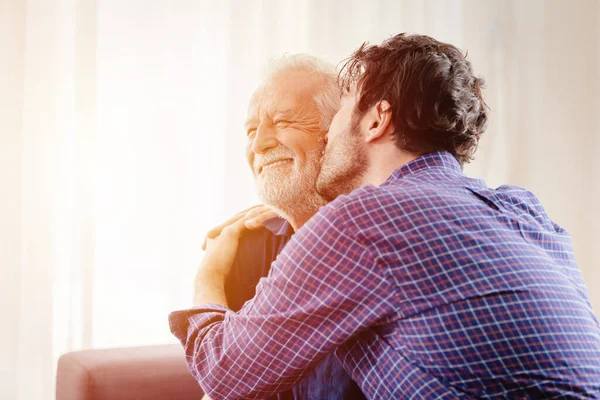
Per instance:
x=435, y=97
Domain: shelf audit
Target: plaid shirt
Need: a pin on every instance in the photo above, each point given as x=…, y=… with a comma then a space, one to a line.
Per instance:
x=429, y=286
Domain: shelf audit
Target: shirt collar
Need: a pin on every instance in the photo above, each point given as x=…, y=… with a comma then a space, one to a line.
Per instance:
x=439, y=160
x=279, y=226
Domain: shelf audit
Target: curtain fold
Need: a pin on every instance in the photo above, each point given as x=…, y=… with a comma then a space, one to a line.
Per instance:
x=12, y=47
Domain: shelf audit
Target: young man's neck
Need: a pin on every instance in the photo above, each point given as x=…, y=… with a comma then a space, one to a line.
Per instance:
x=383, y=162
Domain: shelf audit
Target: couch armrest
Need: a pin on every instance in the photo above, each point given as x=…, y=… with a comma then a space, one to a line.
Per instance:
x=148, y=373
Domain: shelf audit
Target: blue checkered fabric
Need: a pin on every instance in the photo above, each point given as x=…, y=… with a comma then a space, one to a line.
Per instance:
x=428, y=286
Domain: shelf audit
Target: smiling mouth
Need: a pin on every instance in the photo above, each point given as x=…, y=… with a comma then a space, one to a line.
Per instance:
x=273, y=164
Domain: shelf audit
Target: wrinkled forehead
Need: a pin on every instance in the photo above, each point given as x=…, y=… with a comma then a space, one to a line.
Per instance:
x=289, y=91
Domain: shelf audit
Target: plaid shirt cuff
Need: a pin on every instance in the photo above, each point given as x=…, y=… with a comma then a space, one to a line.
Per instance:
x=185, y=324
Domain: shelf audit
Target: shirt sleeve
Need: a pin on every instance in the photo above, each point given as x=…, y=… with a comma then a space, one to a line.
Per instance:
x=324, y=288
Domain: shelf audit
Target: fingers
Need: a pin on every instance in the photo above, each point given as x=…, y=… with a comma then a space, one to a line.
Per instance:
x=257, y=220
x=216, y=231
x=238, y=226
x=246, y=214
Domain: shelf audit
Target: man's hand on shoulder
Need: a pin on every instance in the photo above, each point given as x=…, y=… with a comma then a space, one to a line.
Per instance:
x=220, y=247
x=255, y=216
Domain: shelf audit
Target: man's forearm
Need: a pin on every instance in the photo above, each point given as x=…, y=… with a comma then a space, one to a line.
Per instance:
x=226, y=352
x=308, y=305
x=209, y=289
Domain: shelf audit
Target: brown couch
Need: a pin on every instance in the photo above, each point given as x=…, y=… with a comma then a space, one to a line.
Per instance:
x=148, y=373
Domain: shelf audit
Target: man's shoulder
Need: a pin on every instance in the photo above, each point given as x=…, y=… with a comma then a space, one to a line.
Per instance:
x=256, y=251
x=269, y=236
x=360, y=208
x=370, y=198
x=390, y=207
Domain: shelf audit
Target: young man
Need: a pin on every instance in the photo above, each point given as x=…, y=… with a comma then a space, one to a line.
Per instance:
x=425, y=283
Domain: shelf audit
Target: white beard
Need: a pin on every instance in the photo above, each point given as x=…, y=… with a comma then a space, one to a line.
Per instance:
x=293, y=192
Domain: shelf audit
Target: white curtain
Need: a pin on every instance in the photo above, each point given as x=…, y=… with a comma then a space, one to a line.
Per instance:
x=122, y=143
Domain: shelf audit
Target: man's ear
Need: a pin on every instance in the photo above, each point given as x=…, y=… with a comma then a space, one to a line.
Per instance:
x=379, y=121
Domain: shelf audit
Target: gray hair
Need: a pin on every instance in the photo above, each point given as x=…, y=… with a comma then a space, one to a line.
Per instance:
x=328, y=97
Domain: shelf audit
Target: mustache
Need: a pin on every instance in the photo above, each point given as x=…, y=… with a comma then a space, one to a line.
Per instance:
x=277, y=153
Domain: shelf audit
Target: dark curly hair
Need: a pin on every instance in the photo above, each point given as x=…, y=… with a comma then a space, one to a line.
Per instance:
x=435, y=98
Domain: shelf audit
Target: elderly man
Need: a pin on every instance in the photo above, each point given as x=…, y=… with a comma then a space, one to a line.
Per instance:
x=425, y=283
x=287, y=118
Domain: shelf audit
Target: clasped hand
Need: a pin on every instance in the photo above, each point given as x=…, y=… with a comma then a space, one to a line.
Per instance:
x=220, y=245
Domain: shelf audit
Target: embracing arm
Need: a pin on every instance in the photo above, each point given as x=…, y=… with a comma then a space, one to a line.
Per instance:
x=324, y=288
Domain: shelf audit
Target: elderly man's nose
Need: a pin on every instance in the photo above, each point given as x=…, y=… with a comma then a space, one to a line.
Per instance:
x=264, y=140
